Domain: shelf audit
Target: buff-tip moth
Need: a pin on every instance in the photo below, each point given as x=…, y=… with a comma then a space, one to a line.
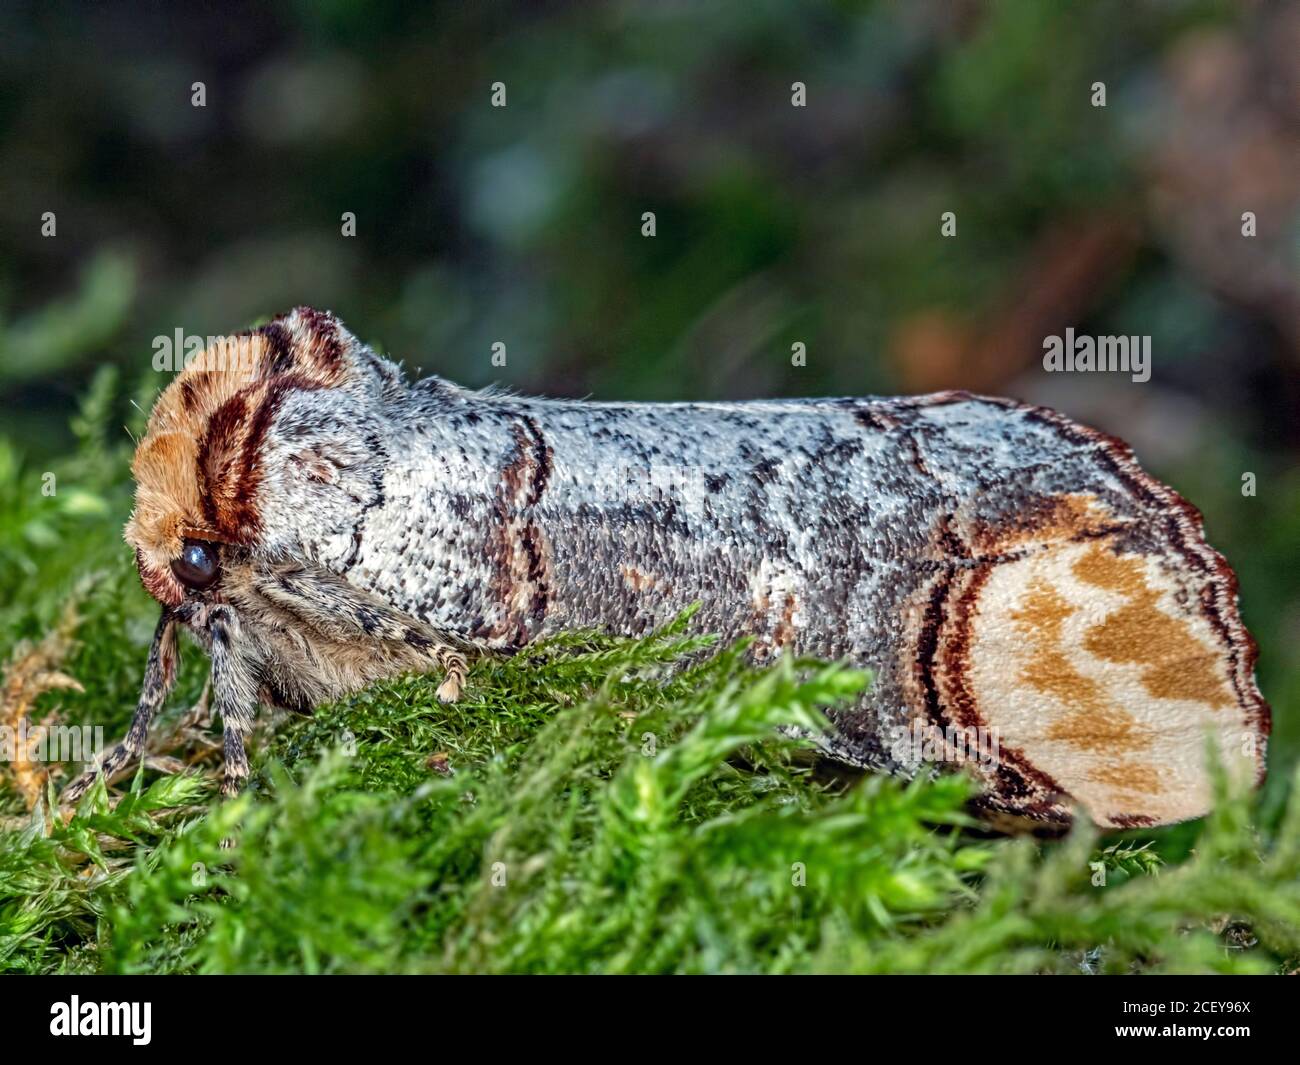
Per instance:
x=318, y=523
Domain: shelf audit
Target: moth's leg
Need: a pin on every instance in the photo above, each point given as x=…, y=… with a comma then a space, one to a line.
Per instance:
x=234, y=691
x=455, y=667
x=159, y=675
x=333, y=607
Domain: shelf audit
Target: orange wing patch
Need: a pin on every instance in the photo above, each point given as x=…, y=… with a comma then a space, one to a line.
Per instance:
x=1178, y=665
x=1091, y=722
x=1095, y=674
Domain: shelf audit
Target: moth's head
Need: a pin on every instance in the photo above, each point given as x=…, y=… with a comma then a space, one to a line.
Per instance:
x=202, y=463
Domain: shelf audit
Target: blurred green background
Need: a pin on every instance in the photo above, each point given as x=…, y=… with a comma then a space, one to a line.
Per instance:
x=775, y=224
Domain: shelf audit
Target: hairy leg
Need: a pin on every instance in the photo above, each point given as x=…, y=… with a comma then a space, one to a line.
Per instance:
x=159, y=675
x=336, y=609
x=234, y=689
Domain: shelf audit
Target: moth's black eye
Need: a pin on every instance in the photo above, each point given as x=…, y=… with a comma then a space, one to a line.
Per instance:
x=197, y=566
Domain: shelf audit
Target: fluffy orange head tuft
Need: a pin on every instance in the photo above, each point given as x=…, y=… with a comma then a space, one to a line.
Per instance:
x=199, y=465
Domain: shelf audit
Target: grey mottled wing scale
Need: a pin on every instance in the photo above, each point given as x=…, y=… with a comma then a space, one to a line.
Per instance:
x=905, y=535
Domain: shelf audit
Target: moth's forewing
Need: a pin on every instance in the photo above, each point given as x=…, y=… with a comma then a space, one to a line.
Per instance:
x=1010, y=576
x=1092, y=634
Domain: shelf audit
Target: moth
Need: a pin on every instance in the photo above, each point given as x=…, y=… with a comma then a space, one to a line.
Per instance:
x=318, y=523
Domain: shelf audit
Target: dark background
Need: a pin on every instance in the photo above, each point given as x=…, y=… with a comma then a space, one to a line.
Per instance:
x=775, y=224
